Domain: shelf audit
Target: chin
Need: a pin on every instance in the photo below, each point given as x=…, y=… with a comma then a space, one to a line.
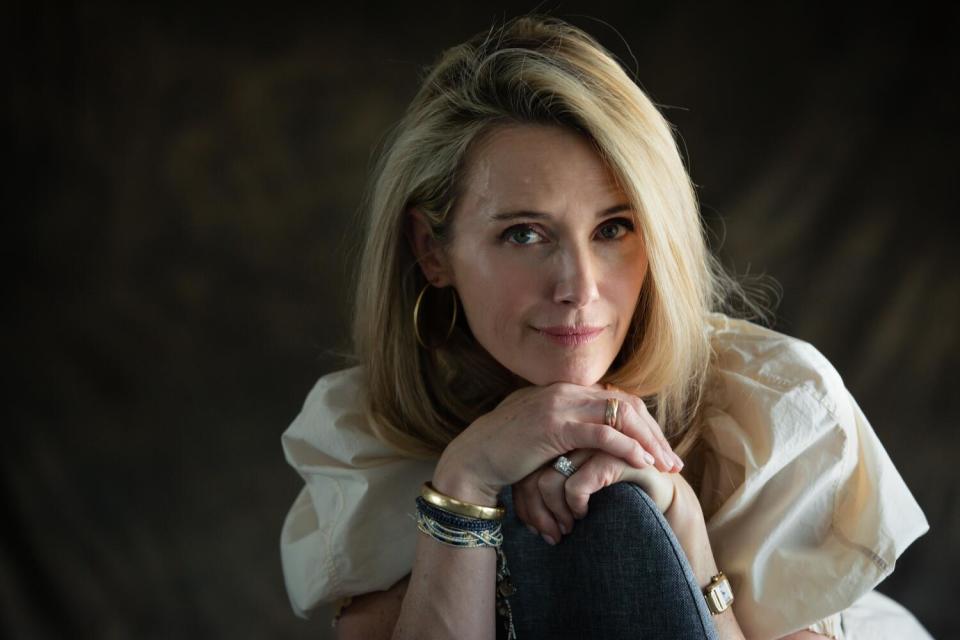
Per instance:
x=583, y=376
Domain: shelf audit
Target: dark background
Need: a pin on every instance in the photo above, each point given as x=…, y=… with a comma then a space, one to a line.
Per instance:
x=180, y=208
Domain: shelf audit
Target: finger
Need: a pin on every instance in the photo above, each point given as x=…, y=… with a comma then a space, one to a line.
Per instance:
x=537, y=513
x=658, y=485
x=550, y=487
x=591, y=407
x=601, y=470
x=641, y=408
x=584, y=435
x=550, y=483
x=647, y=432
x=630, y=422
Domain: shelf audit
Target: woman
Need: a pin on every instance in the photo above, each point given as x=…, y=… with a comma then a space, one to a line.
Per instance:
x=538, y=332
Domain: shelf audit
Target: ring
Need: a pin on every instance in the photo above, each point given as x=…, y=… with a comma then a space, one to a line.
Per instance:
x=564, y=466
x=610, y=413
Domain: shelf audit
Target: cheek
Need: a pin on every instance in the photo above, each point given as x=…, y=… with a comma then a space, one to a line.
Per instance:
x=495, y=293
x=638, y=273
x=625, y=281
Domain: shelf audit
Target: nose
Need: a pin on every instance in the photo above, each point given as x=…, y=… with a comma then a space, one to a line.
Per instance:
x=576, y=282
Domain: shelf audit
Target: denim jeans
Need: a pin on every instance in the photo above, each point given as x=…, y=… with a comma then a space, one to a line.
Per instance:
x=621, y=573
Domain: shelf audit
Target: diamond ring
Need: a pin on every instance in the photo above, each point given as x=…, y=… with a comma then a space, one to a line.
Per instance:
x=564, y=466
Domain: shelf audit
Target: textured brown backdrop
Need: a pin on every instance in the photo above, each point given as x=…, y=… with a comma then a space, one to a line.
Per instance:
x=180, y=205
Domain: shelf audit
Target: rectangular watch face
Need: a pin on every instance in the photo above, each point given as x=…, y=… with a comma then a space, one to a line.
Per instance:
x=722, y=595
x=725, y=592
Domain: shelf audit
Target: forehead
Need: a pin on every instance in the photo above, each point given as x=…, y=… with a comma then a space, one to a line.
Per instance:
x=536, y=166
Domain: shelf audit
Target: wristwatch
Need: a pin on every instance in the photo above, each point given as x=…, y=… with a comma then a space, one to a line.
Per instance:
x=718, y=593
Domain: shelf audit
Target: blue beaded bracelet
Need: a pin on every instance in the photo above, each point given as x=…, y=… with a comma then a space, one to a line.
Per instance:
x=457, y=530
x=456, y=520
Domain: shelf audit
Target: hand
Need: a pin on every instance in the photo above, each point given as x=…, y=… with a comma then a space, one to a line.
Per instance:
x=671, y=492
x=548, y=501
x=544, y=500
x=532, y=426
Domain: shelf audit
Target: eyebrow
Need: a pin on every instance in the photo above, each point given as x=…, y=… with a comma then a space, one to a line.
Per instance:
x=513, y=215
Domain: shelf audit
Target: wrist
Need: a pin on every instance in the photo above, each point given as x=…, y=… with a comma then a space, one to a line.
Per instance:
x=685, y=517
x=453, y=481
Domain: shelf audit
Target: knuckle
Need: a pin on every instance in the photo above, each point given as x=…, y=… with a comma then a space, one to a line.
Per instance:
x=562, y=387
x=544, y=523
x=610, y=473
x=652, y=445
x=544, y=482
x=602, y=460
x=576, y=486
x=638, y=405
x=564, y=432
x=606, y=436
x=555, y=391
x=548, y=403
x=576, y=503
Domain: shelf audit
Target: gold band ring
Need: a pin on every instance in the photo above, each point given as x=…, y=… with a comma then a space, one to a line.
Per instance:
x=610, y=412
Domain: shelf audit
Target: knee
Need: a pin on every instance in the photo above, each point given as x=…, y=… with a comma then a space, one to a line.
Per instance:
x=623, y=499
x=625, y=508
x=618, y=514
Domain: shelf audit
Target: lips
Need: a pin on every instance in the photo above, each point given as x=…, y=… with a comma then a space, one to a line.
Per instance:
x=571, y=330
x=571, y=335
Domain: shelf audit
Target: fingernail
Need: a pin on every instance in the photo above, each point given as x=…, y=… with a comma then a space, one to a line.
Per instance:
x=549, y=540
x=648, y=458
x=532, y=530
x=563, y=529
x=679, y=461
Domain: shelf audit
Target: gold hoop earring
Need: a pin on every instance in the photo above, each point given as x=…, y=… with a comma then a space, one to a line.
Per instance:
x=416, y=319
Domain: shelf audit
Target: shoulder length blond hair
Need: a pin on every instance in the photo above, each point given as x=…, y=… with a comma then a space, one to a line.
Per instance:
x=533, y=69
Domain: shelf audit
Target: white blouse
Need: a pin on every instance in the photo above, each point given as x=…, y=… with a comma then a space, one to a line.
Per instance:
x=805, y=511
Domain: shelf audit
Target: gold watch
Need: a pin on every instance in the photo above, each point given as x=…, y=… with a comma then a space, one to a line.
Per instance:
x=718, y=593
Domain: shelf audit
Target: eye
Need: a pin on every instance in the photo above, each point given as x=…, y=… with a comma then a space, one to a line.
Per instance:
x=615, y=229
x=520, y=234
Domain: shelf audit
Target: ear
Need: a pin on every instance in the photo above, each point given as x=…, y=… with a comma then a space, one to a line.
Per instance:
x=427, y=250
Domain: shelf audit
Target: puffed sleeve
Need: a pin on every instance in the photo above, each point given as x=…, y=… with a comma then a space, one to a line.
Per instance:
x=805, y=510
x=349, y=530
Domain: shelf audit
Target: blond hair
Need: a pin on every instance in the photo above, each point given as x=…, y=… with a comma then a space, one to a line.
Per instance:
x=542, y=70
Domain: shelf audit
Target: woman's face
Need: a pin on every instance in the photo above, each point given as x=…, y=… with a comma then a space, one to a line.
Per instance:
x=544, y=255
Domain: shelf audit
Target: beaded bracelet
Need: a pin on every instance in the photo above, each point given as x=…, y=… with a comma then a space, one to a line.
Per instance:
x=458, y=530
x=462, y=531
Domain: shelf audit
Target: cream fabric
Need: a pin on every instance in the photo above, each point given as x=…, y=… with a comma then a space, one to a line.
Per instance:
x=878, y=616
x=805, y=510
x=831, y=627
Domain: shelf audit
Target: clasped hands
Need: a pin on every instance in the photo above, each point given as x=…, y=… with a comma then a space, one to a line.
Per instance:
x=517, y=442
x=549, y=502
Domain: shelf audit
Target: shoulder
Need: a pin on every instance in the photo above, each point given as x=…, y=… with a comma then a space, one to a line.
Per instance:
x=796, y=487
x=341, y=389
x=334, y=423
x=357, y=492
x=772, y=403
x=754, y=360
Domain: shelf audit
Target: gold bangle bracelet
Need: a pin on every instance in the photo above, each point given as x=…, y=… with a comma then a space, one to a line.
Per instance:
x=453, y=505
